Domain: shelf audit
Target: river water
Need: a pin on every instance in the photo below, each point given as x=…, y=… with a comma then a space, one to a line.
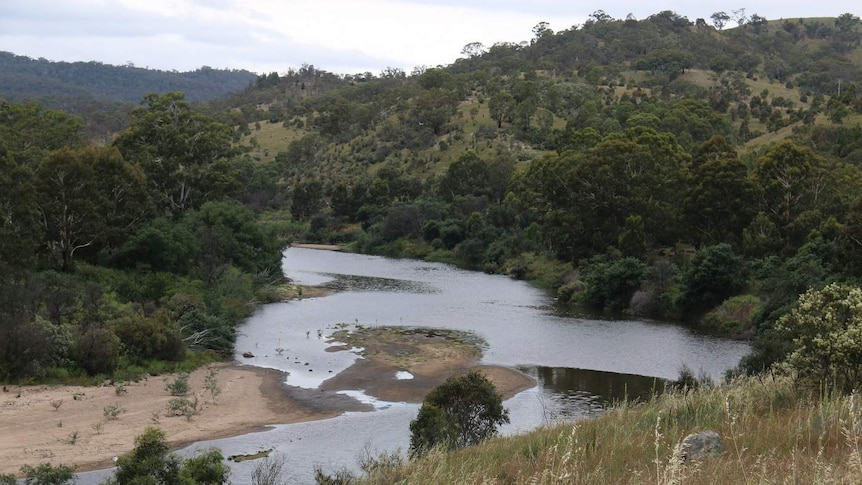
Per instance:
x=581, y=364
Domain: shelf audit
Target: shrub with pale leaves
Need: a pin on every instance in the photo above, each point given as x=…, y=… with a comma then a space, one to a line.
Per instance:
x=825, y=328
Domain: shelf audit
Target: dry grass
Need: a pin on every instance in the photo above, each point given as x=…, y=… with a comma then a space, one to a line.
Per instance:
x=773, y=434
x=271, y=139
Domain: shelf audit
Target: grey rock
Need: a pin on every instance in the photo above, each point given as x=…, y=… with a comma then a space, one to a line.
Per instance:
x=696, y=446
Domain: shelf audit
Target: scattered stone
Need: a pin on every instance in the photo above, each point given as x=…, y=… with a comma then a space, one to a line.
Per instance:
x=696, y=446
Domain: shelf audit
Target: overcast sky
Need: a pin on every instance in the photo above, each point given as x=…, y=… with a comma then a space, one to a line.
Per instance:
x=343, y=36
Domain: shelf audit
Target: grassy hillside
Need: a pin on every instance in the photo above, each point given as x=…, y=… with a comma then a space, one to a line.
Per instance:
x=773, y=432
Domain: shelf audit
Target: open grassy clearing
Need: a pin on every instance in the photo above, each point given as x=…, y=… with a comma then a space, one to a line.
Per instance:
x=271, y=138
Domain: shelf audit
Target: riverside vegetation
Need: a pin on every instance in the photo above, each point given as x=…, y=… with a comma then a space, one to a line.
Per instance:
x=772, y=433
x=659, y=167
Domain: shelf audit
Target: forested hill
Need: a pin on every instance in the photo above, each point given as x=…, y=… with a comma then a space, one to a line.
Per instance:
x=706, y=170
x=23, y=78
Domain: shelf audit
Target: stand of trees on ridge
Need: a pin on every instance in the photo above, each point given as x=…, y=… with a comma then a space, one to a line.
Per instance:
x=659, y=167
x=123, y=259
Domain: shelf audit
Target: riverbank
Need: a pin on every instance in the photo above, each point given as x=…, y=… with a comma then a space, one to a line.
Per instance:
x=320, y=247
x=87, y=426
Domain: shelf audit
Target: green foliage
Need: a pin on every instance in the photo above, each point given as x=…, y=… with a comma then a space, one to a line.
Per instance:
x=156, y=336
x=206, y=467
x=306, y=199
x=228, y=234
x=722, y=200
x=47, y=474
x=471, y=176
x=179, y=386
x=182, y=406
x=29, y=132
x=463, y=411
x=185, y=154
x=713, y=274
x=611, y=284
x=158, y=245
x=825, y=332
x=29, y=346
x=97, y=349
x=735, y=316
x=20, y=231
x=78, y=84
x=149, y=463
x=211, y=384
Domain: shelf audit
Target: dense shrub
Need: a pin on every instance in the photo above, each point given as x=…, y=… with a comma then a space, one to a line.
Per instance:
x=825, y=333
x=713, y=274
x=463, y=411
x=611, y=284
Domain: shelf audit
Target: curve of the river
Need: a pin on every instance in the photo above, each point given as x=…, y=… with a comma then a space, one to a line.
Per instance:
x=581, y=364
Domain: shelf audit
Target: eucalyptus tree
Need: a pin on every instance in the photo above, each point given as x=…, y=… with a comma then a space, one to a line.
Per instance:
x=185, y=154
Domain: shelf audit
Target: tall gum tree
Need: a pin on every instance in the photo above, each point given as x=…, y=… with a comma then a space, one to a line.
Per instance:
x=183, y=153
x=68, y=204
x=88, y=198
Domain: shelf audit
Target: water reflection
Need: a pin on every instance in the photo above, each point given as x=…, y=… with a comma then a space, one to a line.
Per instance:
x=576, y=393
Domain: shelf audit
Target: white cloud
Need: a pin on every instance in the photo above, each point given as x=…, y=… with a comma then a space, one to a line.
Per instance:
x=339, y=35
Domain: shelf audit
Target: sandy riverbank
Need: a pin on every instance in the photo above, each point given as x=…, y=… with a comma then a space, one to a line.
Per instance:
x=320, y=247
x=68, y=424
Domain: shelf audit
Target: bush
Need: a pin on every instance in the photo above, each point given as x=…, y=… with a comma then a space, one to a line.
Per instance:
x=463, y=411
x=611, y=284
x=714, y=274
x=47, y=474
x=179, y=386
x=97, y=350
x=206, y=467
x=735, y=316
x=825, y=331
x=150, y=462
x=154, y=337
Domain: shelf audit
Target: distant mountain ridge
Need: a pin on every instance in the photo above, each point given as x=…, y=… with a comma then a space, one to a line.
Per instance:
x=23, y=78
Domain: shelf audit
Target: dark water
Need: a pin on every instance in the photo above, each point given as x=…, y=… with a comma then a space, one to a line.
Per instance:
x=582, y=365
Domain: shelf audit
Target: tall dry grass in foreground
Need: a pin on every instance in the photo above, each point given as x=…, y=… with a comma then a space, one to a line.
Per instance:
x=773, y=432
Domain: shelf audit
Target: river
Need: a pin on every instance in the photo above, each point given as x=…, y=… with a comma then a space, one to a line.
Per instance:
x=581, y=364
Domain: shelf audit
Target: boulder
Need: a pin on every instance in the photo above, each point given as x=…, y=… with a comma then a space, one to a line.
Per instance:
x=247, y=355
x=696, y=446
